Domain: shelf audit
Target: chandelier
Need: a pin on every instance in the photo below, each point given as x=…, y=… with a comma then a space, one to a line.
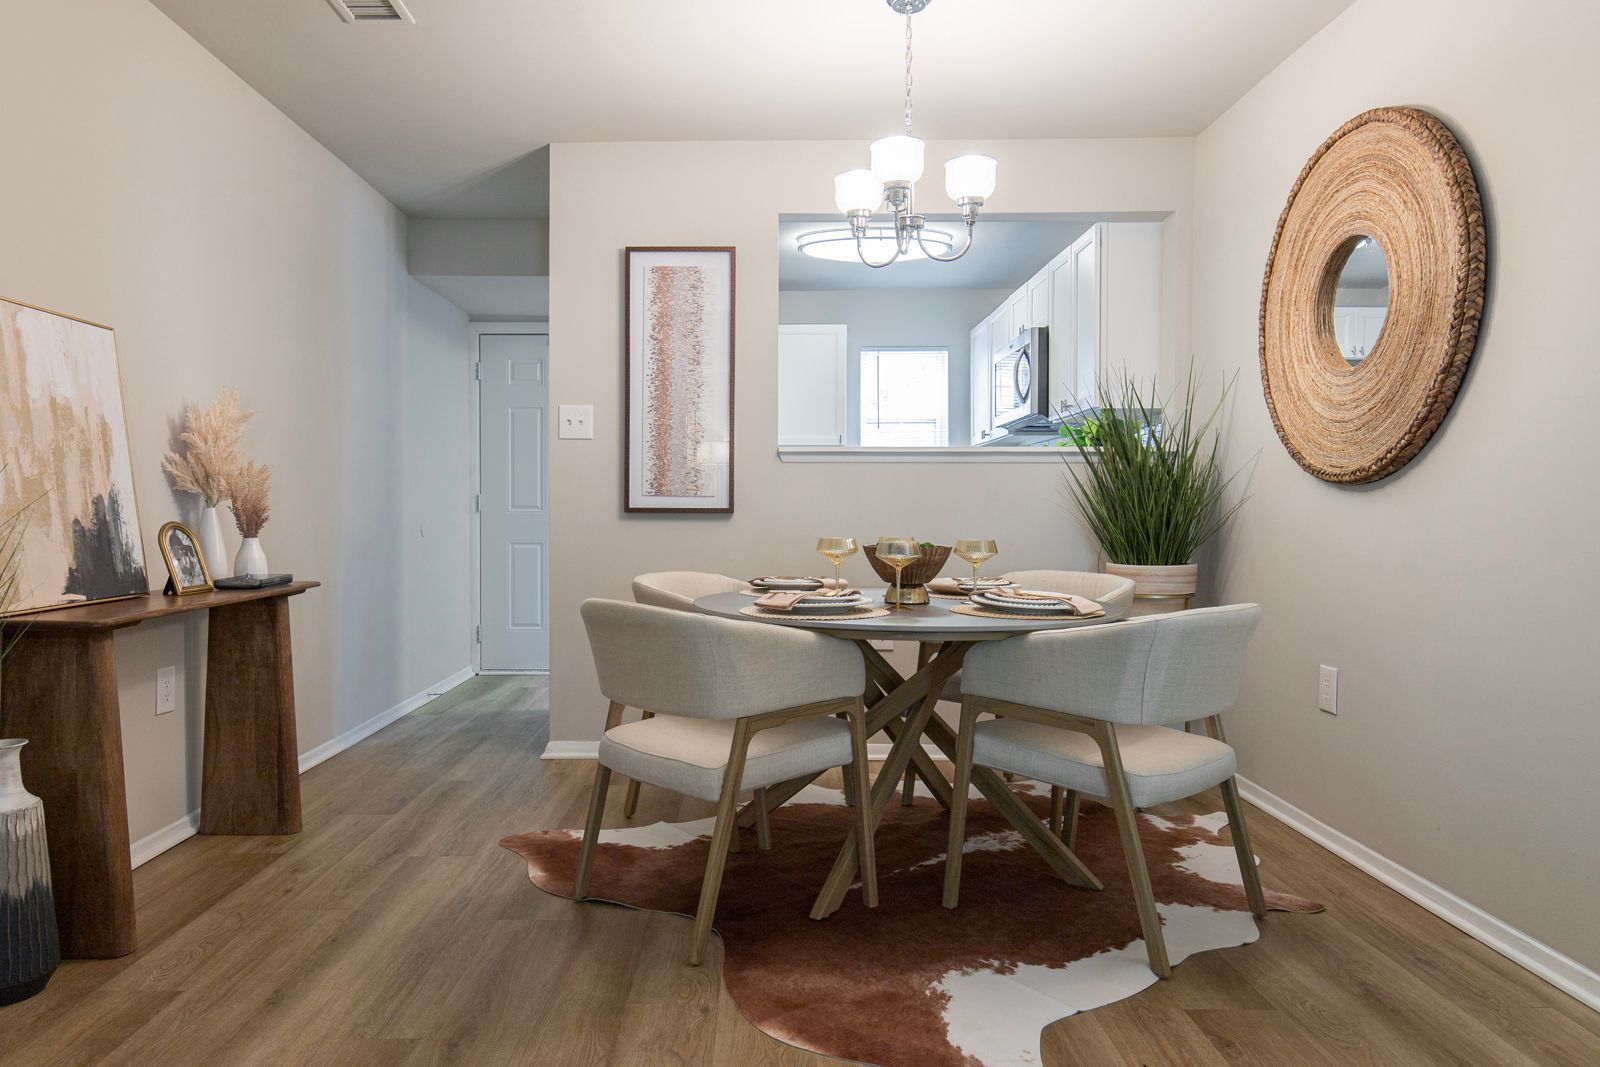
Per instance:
x=896, y=168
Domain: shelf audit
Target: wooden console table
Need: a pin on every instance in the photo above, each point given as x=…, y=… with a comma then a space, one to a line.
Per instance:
x=59, y=690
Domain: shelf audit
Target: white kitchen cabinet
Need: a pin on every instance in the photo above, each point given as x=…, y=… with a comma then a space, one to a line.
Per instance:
x=1039, y=299
x=979, y=376
x=1105, y=315
x=1020, y=316
x=813, y=365
x=1357, y=330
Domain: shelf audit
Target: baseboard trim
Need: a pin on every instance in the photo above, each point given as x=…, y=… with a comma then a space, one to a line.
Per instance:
x=150, y=846
x=571, y=750
x=329, y=749
x=1561, y=971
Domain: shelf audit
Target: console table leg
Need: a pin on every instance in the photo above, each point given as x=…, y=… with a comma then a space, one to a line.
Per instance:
x=251, y=779
x=59, y=690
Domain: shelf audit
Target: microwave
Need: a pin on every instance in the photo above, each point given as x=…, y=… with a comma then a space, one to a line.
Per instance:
x=1019, y=382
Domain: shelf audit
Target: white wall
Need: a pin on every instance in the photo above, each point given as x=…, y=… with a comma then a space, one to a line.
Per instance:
x=605, y=197
x=901, y=318
x=1457, y=598
x=148, y=188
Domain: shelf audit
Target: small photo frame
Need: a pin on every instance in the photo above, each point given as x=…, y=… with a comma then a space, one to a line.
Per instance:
x=186, y=564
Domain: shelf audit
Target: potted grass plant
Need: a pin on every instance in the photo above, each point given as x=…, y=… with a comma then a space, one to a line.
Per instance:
x=1150, y=486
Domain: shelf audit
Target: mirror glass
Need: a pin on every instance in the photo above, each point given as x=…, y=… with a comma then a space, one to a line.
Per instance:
x=985, y=351
x=1362, y=300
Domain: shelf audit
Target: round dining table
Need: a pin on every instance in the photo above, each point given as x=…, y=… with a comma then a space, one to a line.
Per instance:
x=903, y=707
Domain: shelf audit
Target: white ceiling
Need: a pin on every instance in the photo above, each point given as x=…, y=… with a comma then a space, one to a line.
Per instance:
x=1005, y=254
x=443, y=116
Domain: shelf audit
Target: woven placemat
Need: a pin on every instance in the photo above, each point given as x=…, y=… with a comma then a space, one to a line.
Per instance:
x=832, y=616
x=1018, y=616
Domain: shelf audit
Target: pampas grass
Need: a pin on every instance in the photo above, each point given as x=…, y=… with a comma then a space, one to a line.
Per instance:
x=250, y=487
x=210, y=458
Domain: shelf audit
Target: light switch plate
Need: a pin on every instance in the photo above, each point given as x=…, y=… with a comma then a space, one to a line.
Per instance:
x=575, y=422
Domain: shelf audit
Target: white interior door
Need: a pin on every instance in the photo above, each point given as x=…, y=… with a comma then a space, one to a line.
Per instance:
x=514, y=524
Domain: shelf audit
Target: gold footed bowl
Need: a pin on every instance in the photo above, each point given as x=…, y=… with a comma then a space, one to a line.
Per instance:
x=914, y=578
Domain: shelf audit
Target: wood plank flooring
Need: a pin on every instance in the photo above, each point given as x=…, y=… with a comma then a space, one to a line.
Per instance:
x=395, y=931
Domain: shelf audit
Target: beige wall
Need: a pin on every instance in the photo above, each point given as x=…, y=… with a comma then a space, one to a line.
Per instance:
x=1456, y=597
x=146, y=187
x=605, y=197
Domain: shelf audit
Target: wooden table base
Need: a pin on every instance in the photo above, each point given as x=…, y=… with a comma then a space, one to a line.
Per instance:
x=59, y=690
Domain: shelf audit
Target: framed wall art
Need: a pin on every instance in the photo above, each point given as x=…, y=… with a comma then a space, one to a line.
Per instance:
x=679, y=367
x=64, y=455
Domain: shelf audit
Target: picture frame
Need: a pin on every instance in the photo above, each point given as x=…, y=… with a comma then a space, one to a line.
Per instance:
x=679, y=379
x=65, y=455
x=187, y=572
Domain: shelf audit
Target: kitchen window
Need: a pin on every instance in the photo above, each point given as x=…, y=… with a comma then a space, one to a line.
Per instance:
x=905, y=397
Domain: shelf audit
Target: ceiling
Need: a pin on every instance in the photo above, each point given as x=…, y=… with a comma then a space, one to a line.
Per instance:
x=444, y=116
x=1004, y=255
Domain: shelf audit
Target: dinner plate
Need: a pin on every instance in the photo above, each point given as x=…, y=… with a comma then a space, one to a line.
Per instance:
x=794, y=585
x=984, y=583
x=830, y=604
x=1021, y=605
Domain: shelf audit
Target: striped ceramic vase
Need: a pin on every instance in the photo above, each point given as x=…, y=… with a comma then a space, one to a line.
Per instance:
x=29, y=950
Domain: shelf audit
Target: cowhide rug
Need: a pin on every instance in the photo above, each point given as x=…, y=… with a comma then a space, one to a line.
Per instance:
x=911, y=983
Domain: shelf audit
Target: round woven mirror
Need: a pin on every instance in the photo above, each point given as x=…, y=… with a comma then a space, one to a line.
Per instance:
x=1372, y=295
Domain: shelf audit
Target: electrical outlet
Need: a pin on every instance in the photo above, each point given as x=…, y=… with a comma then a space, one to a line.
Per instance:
x=1328, y=689
x=166, y=690
x=575, y=422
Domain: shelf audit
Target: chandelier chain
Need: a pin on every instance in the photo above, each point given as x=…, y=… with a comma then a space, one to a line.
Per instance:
x=908, y=74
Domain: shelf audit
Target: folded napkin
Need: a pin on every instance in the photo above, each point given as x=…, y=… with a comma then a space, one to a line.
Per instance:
x=787, y=600
x=957, y=586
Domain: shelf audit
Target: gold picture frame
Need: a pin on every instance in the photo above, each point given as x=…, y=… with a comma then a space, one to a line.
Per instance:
x=183, y=558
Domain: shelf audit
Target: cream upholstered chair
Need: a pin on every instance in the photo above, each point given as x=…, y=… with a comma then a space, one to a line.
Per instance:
x=1094, y=711
x=743, y=706
x=679, y=590
x=1110, y=591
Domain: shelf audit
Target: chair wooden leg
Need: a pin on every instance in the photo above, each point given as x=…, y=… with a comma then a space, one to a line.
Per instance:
x=958, y=805
x=727, y=812
x=866, y=856
x=597, y=811
x=591, y=830
x=1128, y=826
x=630, y=800
x=1241, y=848
x=1058, y=809
x=763, y=822
x=1069, y=834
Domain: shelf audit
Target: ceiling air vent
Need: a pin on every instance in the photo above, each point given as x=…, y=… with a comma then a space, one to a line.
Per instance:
x=372, y=10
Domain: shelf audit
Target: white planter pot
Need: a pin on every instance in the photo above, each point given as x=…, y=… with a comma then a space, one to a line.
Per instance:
x=29, y=948
x=1159, y=590
x=251, y=559
x=216, y=552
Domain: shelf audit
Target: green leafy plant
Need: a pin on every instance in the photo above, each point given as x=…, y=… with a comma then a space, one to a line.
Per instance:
x=1152, y=488
x=1083, y=433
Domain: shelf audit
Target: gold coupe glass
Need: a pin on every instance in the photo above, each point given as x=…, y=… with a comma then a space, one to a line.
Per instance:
x=976, y=551
x=836, y=549
x=899, y=553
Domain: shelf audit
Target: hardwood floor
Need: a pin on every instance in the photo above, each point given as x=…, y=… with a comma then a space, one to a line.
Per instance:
x=394, y=930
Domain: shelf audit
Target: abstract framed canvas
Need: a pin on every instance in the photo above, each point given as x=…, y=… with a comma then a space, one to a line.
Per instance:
x=679, y=341
x=64, y=457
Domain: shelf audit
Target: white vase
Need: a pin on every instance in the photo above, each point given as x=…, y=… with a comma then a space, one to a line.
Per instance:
x=251, y=559
x=29, y=948
x=210, y=534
